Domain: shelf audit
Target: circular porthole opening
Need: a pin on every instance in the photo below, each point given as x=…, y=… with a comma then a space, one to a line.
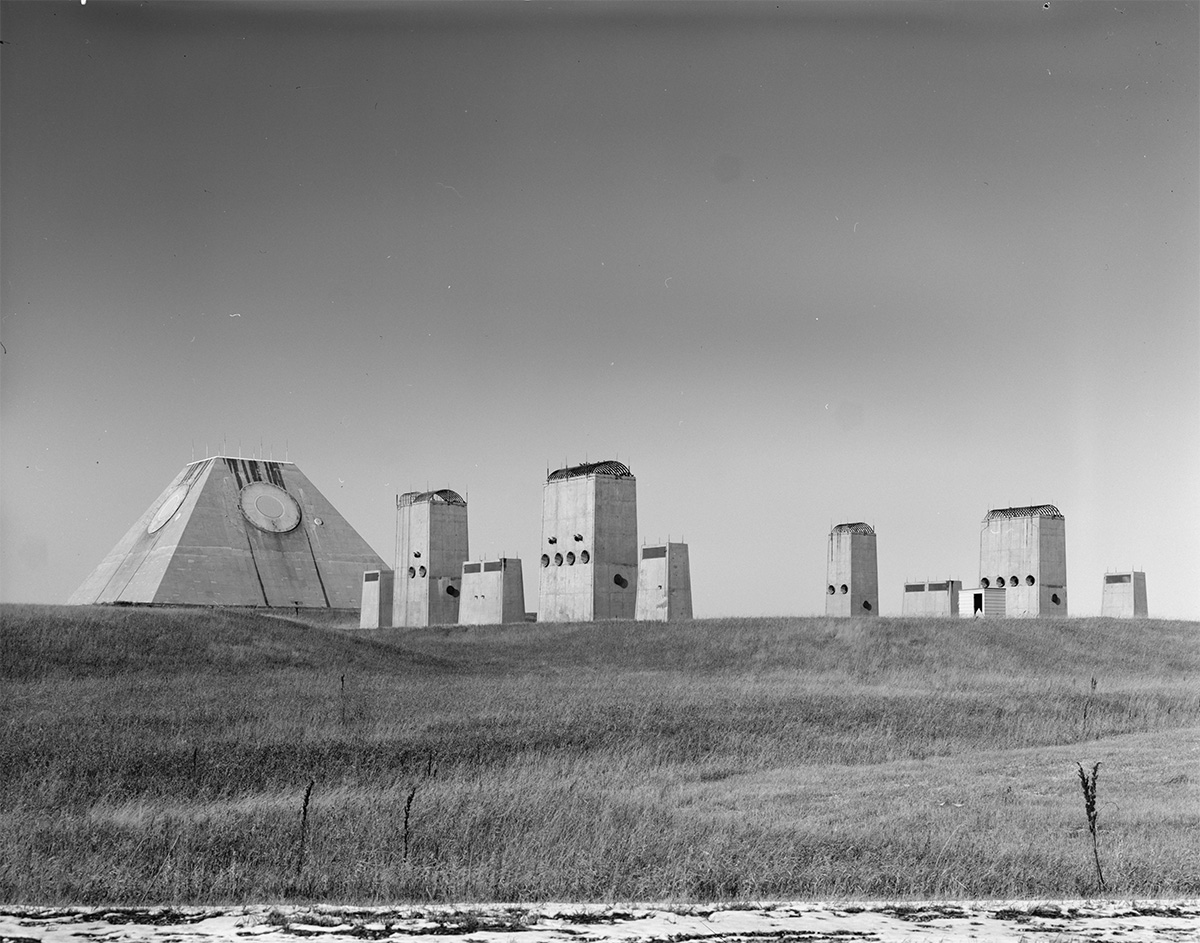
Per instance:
x=422, y=571
x=1000, y=582
x=1054, y=599
x=584, y=556
x=621, y=581
x=832, y=589
x=866, y=605
x=545, y=560
x=412, y=572
x=570, y=559
x=845, y=589
x=1030, y=580
x=985, y=582
x=558, y=559
x=1013, y=581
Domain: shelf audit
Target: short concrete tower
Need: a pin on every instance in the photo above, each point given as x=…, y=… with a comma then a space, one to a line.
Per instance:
x=493, y=592
x=664, y=584
x=377, y=596
x=852, y=571
x=431, y=547
x=1124, y=595
x=1024, y=550
x=589, y=560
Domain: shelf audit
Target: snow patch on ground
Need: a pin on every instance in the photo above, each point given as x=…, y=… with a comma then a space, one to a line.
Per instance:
x=1176, y=921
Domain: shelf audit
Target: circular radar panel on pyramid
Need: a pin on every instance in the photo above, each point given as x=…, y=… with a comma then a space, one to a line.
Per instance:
x=269, y=508
x=167, y=509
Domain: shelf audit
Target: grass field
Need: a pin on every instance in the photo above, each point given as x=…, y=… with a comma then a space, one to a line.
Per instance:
x=155, y=756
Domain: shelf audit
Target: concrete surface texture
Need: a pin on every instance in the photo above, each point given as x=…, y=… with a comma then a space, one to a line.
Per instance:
x=852, y=571
x=664, y=584
x=939, y=598
x=431, y=547
x=1124, y=595
x=1024, y=549
x=589, y=559
x=377, y=592
x=981, y=602
x=493, y=592
x=236, y=532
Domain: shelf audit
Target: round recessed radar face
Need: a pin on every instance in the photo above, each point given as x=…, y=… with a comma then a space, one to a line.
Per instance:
x=269, y=508
x=167, y=509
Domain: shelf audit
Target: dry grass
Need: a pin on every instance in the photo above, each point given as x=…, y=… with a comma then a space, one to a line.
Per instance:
x=163, y=756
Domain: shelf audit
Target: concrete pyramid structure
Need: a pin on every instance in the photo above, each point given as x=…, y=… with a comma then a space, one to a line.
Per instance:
x=236, y=532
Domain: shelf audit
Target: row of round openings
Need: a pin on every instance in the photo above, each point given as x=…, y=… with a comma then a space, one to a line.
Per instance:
x=833, y=590
x=414, y=572
x=1012, y=581
x=569, y=559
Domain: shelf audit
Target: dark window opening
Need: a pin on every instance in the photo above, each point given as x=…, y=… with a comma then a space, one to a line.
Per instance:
x=570, y=559
x=1029, y=580
x=412, y=572
x=370, y=577
x=621, y=581
x=422, y=571
x=977, y=603
x=866, y=605
x=845, y=589
x=1013, y=581
x=558, y=559
x=551, y=540
x=451, y=590
x=832, y=589
x=1054, y=599
x=985, y=582
x=545, y=560
x=470, y=567
x=584, y=556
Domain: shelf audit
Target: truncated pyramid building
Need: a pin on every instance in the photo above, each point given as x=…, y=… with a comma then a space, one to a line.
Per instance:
x=236, y=532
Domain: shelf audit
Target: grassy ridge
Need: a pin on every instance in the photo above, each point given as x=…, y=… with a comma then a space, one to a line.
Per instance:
x=157, y=755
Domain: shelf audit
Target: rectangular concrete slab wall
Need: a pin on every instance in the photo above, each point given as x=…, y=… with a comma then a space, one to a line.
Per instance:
x=664, y=583
x=493, y=592
x=377, y=590
x=937, y=598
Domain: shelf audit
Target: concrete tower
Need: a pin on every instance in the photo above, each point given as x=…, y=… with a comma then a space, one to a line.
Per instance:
x=236, y=532
x=431, y=547
x=493, y=592
x=852, y=572
x=1025, y=550
x=1124, y=595
x=931, y=599
x=664, y=584
x=589, y=544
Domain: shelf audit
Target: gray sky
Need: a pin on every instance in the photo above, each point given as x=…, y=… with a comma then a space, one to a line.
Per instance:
x=795, y=264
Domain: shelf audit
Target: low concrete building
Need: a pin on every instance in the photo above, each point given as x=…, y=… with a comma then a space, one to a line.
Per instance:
x=236, y=532
x=1124, y=595
x=377, y=589
x=852, y=571
x=664, y=584
x=982, y=602
x=931, y=599
x=493, y=592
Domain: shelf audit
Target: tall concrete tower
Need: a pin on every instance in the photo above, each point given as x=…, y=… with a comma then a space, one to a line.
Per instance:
x=1025, y=550
x=852, y=571
x=664, y=584
x=1124, y=595
x=431, y=547
x=589, y=544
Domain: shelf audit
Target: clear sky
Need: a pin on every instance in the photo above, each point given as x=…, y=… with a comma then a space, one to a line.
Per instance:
x=794, y=263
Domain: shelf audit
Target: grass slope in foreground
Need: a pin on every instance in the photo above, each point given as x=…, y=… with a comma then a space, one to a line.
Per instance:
x=155, y=756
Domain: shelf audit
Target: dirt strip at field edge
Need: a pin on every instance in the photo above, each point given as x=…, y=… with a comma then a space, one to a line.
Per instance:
x=1177, y=921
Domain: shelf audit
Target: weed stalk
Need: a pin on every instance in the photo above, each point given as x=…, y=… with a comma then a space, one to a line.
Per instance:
x=303, y=827
x=1088, y=783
